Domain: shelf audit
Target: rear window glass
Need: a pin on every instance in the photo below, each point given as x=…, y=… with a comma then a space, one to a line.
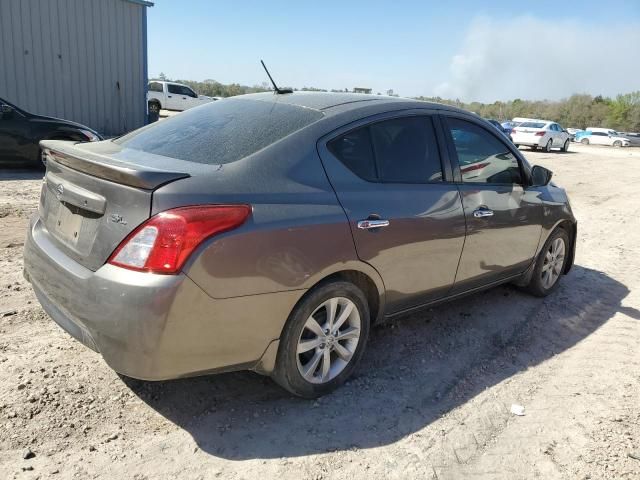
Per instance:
x=532, y=125
x=220, y=132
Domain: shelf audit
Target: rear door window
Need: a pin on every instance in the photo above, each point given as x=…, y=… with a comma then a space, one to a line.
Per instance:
x=155, y=87
x=355, y=151
x=399, y=150
x=482, y=157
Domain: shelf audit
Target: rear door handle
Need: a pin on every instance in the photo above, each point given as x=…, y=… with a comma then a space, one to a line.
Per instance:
x=370, y=224
x=483, y=212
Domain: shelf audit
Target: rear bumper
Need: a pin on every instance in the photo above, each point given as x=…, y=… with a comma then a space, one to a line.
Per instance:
x=152, y=327
x=528, y=142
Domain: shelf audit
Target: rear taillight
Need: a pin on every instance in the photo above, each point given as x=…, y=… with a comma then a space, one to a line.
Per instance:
x=163, y=243
x=539, y=134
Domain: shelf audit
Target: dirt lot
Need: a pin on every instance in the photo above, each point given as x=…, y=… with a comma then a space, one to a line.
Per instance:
x=431, y=399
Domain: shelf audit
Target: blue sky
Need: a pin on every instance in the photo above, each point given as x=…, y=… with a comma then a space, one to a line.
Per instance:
x=472, y=50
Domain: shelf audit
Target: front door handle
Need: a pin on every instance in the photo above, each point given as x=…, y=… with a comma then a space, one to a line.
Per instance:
x=483, y=212
x=370, y=224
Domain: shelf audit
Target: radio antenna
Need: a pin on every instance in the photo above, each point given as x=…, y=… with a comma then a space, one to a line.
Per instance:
x=279, y=91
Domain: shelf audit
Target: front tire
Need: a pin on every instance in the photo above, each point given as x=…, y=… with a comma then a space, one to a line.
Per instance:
x=323, y=340
x=584, y=141
x=565, y=147
x=617, y=144
x=550, y=264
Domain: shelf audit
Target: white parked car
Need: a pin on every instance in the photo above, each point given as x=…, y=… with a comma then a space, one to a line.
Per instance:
x=541, y=133
x=604, y=136
x=173, y=96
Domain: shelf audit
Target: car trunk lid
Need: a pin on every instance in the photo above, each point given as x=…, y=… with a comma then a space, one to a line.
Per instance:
x=91, y=201
x=528, y=131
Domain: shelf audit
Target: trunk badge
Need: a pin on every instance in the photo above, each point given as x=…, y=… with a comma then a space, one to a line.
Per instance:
x=60, y=189
x=115, y=218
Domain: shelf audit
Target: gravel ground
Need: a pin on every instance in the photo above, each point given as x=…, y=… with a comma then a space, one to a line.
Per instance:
x=432, y=398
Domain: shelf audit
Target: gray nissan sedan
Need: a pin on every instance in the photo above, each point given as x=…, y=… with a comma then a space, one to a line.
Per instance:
x=270, y=231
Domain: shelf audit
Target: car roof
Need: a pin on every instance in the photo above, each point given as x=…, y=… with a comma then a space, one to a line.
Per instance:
x=325, y=101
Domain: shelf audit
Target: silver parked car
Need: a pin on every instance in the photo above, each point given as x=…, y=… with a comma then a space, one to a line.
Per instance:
x=270, y=231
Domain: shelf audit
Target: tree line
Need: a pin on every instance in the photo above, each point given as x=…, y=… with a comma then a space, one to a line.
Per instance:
x=579, y=111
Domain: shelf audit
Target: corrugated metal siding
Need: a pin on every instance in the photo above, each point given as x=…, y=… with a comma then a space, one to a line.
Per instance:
x=81, y=60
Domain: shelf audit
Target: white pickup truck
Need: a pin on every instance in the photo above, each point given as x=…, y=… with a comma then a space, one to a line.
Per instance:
x=173, y=96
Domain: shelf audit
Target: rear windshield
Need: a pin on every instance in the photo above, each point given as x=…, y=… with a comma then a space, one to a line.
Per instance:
x=532, y=125
x=221, y=132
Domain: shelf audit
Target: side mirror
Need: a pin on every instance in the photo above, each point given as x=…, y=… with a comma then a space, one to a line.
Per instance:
x=540, y=176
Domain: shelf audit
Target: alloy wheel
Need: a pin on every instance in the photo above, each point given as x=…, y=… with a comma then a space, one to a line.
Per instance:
x=328, y=340
x=553, y=263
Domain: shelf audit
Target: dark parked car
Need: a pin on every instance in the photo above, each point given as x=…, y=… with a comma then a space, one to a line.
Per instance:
x=269, y=231
x=20, y=132
x=501, y=128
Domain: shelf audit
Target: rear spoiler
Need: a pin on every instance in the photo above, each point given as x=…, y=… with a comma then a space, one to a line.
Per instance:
x=105, y=166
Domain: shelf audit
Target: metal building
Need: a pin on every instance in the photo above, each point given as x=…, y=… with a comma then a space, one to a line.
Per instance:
x=81, y=60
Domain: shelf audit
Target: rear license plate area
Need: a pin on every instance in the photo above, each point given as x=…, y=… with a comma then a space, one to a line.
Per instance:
x=68, y=224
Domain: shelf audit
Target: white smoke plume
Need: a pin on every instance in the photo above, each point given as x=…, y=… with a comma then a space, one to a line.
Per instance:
x=532, y=58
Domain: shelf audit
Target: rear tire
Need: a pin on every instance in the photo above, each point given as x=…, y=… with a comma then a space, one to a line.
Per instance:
x=550, y=264
x=547, y=147
x=584, y=141
x=318, y=351
x=534, y=147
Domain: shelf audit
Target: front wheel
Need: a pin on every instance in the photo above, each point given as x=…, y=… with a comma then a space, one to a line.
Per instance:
x=154, y=111
x=584, y=141
x=565, y=147
x=323, y=340
x=550, y=264
x=617, y=143
x=154, y=108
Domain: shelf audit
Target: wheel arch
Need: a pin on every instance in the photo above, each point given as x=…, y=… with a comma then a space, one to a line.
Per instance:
x=572, y=231
x=372, y=292
x=371, y=285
